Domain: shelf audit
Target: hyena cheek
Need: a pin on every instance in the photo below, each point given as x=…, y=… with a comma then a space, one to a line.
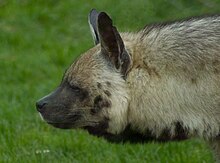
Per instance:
x=99, y=104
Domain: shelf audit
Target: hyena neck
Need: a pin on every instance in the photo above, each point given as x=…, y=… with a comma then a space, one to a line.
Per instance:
x=146, y=123
x=137, y=81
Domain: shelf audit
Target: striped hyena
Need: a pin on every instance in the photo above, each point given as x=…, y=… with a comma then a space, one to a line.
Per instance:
x=161, y=83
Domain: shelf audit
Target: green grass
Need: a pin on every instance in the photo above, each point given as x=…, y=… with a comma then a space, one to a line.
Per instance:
x=38, y=40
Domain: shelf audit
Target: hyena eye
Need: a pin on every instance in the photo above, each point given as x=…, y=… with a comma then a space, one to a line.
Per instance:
x=75, y=88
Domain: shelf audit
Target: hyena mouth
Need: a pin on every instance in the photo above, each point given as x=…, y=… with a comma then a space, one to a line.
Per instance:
x=65, y=122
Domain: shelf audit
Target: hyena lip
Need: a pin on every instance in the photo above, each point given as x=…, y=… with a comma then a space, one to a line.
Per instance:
x=42, y=118
x=67, y=122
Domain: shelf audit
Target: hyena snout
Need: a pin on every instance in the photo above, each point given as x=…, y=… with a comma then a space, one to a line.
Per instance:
x=54, y=107
x=63, y=107
x=43, y=103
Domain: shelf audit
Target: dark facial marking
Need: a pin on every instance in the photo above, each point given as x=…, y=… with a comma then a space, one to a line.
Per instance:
x=97, y=101
x=99, y=85
x=107, y=93
x=108, y=84
x=100, y=103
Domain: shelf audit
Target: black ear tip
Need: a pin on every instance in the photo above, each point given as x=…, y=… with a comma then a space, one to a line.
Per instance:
x=103, y=17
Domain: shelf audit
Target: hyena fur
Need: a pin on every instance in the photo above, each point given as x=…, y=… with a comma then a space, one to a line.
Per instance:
x=160, y=83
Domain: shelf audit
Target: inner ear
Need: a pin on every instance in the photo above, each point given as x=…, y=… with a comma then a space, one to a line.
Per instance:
x=112, y=44
x=108, y=40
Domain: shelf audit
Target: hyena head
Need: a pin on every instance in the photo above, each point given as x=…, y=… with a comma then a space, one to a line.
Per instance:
x=93, y=94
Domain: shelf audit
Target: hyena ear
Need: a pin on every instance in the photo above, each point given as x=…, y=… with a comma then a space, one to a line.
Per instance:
x=92, y=19
x=112, y=44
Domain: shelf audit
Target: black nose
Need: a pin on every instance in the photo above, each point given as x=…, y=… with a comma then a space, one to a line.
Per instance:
x=40, y=106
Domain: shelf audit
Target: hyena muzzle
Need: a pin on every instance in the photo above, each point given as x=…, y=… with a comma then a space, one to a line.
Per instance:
x=161, y=83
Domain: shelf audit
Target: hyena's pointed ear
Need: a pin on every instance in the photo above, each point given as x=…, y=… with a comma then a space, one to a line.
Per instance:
x=92, y=19
x=112, y=44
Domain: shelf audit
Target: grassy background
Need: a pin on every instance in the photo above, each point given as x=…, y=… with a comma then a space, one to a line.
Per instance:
x=38, y=40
